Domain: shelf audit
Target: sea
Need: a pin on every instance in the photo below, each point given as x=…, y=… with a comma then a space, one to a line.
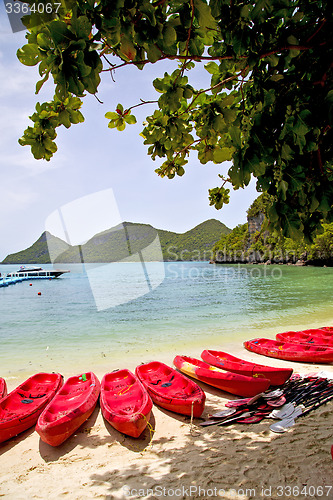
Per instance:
x=108, y=316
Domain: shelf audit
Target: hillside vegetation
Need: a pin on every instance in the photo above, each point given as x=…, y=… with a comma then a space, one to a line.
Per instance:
x=242, y=245
x=129, y=241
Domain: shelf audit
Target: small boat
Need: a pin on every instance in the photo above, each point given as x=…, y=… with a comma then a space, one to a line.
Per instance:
x=34, y=272
x=21, y=408
x=125, y=403
x=3, y=388
x=314, y=337
x=240, y=385
x=171, y=390
x=69, y=409
x=291, y=352
x=220, y=359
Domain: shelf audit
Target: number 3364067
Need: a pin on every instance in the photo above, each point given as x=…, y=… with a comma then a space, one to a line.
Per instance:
x=36, y=8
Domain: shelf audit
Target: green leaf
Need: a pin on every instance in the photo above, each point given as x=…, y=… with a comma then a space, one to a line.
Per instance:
x=222, y=154
x=229, y=115
x=283, y=188
x=59, y=32
x=64, y=118
x=245, y=11
x=204, y=15
x=43, y=41
x=235, y=135
x=292, y=40
x=276, y=77
x=286, y=152
x=50, y=145
x=329, y=97
x=273, y=60
x=111, y=115
x=121, y=124
x=149, y=12
x=153, y=53
x=40, y=83
x=29, y=54
x=212, y=68
x=83, y=27
x=272, y=213
x=169, y=35
x=196, y=46
x=130, y=119
x=75, y=116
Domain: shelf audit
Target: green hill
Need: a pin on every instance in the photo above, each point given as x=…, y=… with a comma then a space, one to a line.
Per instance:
x=38, y=253
x=124, y=242
x=195, y=244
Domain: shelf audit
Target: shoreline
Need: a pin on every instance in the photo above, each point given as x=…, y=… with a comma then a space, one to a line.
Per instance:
x=76, y=358
x=103, y=360
x=176, y=459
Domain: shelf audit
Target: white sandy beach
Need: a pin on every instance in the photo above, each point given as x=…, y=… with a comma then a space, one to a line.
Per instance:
x=177, y=459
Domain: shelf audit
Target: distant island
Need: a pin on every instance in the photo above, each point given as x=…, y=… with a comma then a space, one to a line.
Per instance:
x=213, y=241
x=122, y=242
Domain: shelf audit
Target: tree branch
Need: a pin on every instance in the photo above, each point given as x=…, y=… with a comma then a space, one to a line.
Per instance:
x=233, y=77
x=188, y=40
x=317, y=31
x=140, y=104
x=210, y=58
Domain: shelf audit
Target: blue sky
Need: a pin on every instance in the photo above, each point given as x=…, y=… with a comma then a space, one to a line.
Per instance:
x=92, y=158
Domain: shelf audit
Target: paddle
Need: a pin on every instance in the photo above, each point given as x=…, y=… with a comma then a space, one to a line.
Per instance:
x=235, y=418
x=276, y=402
x=223, y=413
x=247, y=401
x=288, y=422
x=318, y=404
x=219, y=421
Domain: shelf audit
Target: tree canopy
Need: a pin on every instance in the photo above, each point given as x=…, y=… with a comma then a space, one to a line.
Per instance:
x=268, y=109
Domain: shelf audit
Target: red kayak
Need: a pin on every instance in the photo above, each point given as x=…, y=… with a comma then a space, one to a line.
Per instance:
x=3, y=388
x=276, y=376
x=314, y=337
x=240, y=385
x=22, y=407
x=291, y=352
x=70, y=407
x=171, y=390
x=125, y=403
x=327, y=329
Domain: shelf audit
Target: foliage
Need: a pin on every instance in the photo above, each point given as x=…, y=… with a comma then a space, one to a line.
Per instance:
x=260, y=205
x=263, y=246
x=269, y=107
x=232, y=246
x=322, y=247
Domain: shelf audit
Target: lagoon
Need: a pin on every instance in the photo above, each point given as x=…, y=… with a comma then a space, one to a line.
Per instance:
x=121, y=314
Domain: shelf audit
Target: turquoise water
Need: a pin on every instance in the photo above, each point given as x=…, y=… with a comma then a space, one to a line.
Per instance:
x=197, y=305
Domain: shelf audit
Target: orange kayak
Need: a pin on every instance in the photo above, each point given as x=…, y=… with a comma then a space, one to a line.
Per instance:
x=70, y=407
x=240, y=385
x=220, y=359
x=125, y=403
x=171, y=390
x=21, y=408
x=314, y=337
x=3, y=388
x=303, y=353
